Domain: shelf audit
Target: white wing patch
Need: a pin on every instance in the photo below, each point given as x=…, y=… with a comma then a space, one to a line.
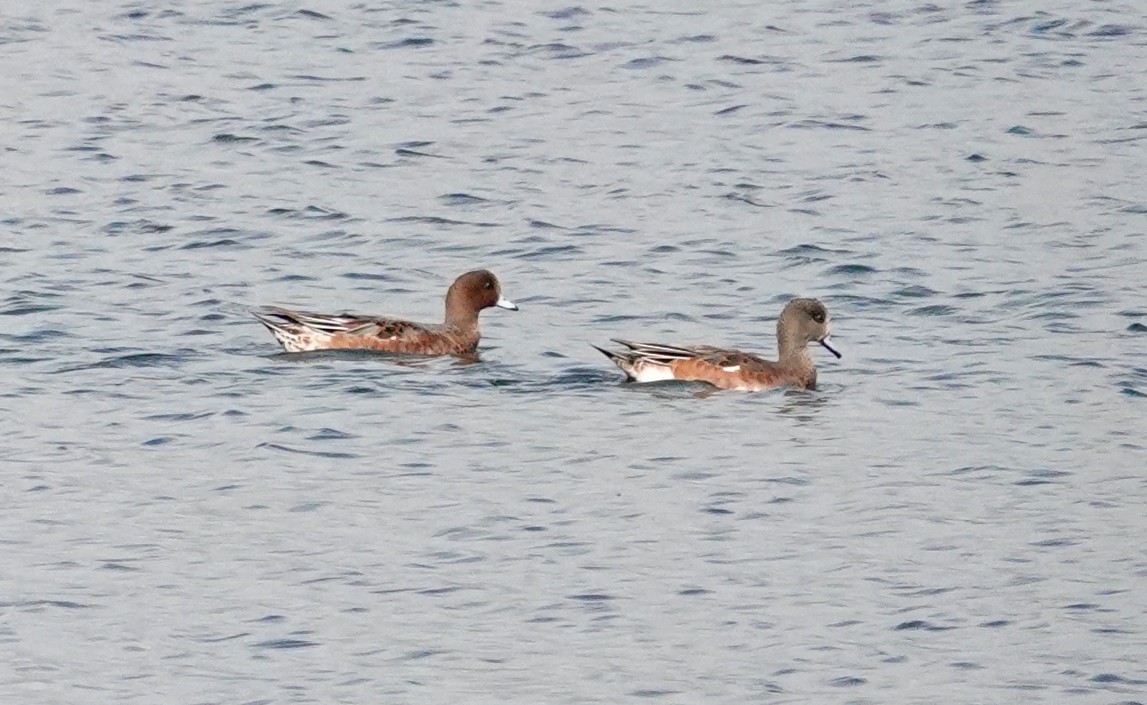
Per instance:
x=732, y=368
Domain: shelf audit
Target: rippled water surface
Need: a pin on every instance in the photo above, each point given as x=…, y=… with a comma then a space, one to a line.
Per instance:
x=956, y=515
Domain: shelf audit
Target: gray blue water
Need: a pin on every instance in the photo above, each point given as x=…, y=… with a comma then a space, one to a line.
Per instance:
x=957, y=515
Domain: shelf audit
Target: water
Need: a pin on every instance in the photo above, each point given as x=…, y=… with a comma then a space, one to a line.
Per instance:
x=957, y=514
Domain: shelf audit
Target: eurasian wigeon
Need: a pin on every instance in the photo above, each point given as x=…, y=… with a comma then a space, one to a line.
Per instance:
x=802, y=321
x=298, y=331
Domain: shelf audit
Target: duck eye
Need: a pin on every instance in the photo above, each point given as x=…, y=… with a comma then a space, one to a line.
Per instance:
x=818, y=317
x=488, y=285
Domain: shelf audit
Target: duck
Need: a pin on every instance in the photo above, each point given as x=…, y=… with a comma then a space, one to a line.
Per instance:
x=470, y=294
x=802, y=321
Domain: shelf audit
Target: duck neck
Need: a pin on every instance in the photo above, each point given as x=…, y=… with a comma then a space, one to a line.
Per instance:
x=792, y=349
x=458, y=315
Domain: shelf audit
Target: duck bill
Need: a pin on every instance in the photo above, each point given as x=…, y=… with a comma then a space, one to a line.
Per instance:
x=506, y=303
x=828, y=346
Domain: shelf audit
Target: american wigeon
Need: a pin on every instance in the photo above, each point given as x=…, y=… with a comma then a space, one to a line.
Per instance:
x=802, y=321
x=298, y=331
